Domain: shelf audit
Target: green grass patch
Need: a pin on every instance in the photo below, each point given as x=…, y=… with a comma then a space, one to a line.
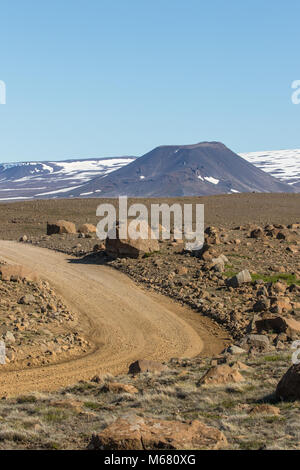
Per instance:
x=26, y=399
x=91, y=405
x=230, y=273
x=252, y=445
x=288, y=278
x=272, y=358
x=55, y=416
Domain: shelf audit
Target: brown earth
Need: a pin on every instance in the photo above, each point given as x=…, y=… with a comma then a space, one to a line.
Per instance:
x=120, y=319
x=30, y=217
x=124, y=323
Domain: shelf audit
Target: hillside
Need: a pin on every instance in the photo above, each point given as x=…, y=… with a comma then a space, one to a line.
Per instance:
x=45, y=179
x=206, y=168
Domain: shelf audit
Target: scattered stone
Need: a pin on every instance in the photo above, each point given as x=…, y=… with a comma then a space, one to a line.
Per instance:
x=241, y=278
x=260, y=342
x=99, y=247
x=9, y=337
x=27, y=299
x=265, y=409
x=144, y=365
x=115, y=387
x=61, y=226
x=87, y=228
x=257, y=233
x=221, y=374
x=235, y=350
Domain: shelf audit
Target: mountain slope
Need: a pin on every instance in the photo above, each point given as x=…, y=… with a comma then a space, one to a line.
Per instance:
x=186, y=170
x=27, y=180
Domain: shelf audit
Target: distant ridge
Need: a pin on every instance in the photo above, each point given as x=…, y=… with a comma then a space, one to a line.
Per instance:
x=205, y=168
x=48, y=179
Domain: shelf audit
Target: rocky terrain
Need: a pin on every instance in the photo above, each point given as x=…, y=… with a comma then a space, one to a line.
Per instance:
x=35, y=325
x=246, y=279
x=237, y=408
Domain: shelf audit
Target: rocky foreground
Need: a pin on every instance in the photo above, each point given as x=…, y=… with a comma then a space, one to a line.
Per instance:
x=246, y=278
x=228, y=402
x=37, y=328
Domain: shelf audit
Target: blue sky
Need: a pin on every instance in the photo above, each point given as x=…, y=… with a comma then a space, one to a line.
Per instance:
x=89, y=78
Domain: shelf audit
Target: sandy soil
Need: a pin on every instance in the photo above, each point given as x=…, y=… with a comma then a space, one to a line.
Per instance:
x=123, y=321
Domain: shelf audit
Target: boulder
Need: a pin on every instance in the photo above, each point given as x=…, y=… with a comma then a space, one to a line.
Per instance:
x=218, y=264
x=212, y=236
x=242, y=277
x=181, y=270
x=27, y=299
x=128, y=247
x=221, y=374
x=288, y=387
x=9, y=337
x=260, y=342
x=87, y=228
x=99, y=247
x=281, y=305
x=279, y=287
x=262, y=304
x=136, y=433
x=235, y=350
x=257, y=233
x=278, y=324
x=61, y=226
x=143, y=365
x=115, y=387
x=265, y=409
x=16, y=272
x=206, y=253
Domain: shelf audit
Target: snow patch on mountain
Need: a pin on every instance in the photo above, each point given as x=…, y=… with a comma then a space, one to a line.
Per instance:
x=282, y=164
x=23, y=180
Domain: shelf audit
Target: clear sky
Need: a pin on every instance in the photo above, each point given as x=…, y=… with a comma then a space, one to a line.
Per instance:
x=89, y=78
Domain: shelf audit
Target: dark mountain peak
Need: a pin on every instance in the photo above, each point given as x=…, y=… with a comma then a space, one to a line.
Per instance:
x=185, y=170
x=199, y=145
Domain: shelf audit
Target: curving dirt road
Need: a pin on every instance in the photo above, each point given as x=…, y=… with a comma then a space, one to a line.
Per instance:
x=121, y=319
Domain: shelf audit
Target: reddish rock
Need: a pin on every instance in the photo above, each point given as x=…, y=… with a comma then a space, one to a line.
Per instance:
x=257, y=233
x=128, y=247
x=17, y=272
x=281, y=305
x=87, y=228
x=265, y=409
x=278, y=324
x=221, y=374
x=135, y=433
x=115, y=387
x=143, y=365
x=61, y=226
x=288, y=387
